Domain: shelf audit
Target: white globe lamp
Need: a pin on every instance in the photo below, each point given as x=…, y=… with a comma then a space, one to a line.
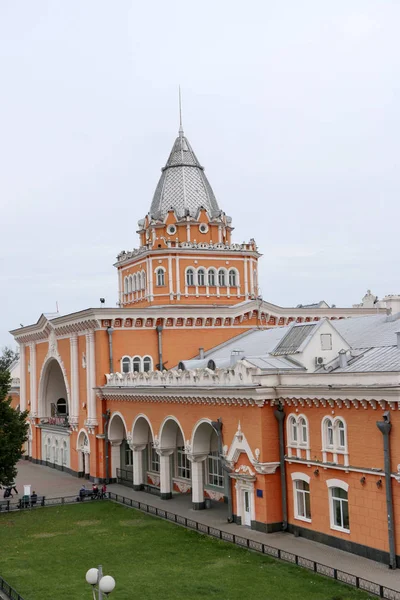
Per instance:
x=92, y=576
x=107, y=584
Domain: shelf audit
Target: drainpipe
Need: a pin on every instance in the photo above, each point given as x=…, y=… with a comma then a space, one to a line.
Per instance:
x=280, y=417
x=217, y=426
x=385, y=427
x=106, y=416
x=110, y=331
x=159, y=329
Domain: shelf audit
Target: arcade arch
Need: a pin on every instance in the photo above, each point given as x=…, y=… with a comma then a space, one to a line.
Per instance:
x=117, y=434
x=83, y=449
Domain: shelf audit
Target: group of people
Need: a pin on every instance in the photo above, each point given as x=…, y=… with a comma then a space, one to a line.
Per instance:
x=95, y=493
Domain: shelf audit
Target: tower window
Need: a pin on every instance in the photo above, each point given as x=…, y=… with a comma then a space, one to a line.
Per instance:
x=160, y=277
x=211, y=277
x=221, y=278
x=61, y=407
x=232, y=278
x=171, y=229
x=201, y=277
x=190, y=277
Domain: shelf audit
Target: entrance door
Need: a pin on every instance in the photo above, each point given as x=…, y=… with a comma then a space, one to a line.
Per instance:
x=247, y=515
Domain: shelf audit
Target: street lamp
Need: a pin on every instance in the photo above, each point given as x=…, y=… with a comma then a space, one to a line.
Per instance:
x=105, y=584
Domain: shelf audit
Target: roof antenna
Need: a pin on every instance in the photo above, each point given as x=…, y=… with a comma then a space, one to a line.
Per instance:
x=180, y=113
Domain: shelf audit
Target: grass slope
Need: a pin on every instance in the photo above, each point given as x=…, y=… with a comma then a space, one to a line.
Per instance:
x=45, y=554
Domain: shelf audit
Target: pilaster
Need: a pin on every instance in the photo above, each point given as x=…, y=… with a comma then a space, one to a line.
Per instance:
x=22, y=384
x=33, y=380
x=197, y=461
x=74, y=408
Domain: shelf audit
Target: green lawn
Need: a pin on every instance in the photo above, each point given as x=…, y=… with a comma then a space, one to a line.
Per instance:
x=45, y=554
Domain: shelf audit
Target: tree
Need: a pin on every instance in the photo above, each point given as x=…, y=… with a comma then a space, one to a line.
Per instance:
x=7, y=358
x=13, y=431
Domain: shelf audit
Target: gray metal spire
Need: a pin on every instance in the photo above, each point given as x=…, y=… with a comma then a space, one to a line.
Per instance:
x=183, y=185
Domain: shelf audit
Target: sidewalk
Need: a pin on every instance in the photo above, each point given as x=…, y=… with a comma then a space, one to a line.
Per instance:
x=53, y=483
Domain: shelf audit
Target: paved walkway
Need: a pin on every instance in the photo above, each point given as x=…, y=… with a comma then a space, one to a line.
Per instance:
x=52, y=483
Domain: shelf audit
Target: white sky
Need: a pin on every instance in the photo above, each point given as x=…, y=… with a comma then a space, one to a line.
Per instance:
x=292, y=107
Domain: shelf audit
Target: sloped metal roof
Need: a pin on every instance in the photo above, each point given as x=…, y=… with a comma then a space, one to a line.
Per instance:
x=384, y=358
x=273, y=363
x=183, y=185
x=294, y=338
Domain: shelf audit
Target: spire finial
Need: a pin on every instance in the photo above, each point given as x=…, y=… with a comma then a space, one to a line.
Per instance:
x=180, y=113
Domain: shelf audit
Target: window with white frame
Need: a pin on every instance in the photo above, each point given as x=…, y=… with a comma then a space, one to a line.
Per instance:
x=221, y=278
x=154, y=460
x=301, y=496
x=334, y=436
x=201, y=277
x=214, y=469
x=138, y=281
x=182, y=463
x=212, y=277
x=126, y=364
x=298, y=436
x=136, y=364
x=293, y=430
x=160, y=279
x=125, y=285
x=232, y=278
x=326, y=341
x=134, y=283
x=190, y=277
x=339, y=505
x=303, y=431
x=143, y=280
x=128, y=455
x=64, y=456
x=147, y=364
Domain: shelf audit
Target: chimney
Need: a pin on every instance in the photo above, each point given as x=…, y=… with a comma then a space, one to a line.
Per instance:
x=398, y=339
x=201, y=353
x=342, y=359
x=235, y=356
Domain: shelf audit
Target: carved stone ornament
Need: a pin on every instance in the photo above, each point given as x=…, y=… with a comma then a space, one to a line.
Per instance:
x=73, y=423
x=257, y=454
x=245, y=470
x=156, y=442
x=188, y=447
x=239, y=434
x=52, y=343
x=91, y=425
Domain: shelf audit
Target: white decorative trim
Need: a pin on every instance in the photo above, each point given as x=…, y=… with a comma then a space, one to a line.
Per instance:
x=52, y=354
x=337, y=483
x=301, y=477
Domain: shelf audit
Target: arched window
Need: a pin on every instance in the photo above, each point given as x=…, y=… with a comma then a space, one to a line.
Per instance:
x=303, y=430
x=139, y=282
x=341, y=434
x=136, y=364
x=339, y=504
x=62, y=408
x=232, y=278
x=134, y=284
x=126, y=364
x=293, y=431
x=301, y=494
x=143, y=280
x=160, y=277
x=221, y=278
x=211, y=277
x=56, y=453
x=201, y=277
x=126, y=285
x=190, y=277
x=328, y=433
x=147, y=364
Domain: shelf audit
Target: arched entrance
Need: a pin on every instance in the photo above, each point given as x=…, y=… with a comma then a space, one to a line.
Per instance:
x=53, y=410
x=208, y=478
x=117, y=437
x=146, y=461
x=83, y=449
x=175, y=467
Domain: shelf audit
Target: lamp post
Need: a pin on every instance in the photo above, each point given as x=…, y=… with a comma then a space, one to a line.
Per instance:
x=105, y=583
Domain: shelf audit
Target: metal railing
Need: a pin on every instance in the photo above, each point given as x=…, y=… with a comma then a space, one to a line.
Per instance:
x=9, y=591
x=361, y=583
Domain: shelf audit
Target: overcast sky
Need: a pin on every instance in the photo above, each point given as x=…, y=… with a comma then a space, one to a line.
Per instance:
x=292, y=107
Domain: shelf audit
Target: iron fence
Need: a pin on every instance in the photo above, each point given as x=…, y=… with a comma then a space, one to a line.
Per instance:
x=361, y=583
x=9, y=591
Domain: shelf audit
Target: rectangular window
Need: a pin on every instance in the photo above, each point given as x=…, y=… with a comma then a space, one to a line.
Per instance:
x=215, y=473
x=339, y=509
x=128, y=456
x=182, y=464
x=326, y=341
x=154, y=460
x=302, y=500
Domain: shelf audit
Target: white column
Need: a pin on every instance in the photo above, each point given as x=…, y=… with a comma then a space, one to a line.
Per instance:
x=115, y=457
x=165, y=473
x=188, y=232
x=74, y=408
x=219, y=233
x=197, y=481
x=151, y=279
x=178, y=278
x=171, y=286
x=22, y=375
x=246, y=279
x=251, y=276
x=138, y=474
x=91, y=380
x=33, y=383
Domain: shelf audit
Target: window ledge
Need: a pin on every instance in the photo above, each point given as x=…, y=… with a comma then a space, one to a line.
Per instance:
x=305, y=519
x=341, y=529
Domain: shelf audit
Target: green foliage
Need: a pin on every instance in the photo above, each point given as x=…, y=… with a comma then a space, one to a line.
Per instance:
x=7, y=358
x=13, y=431
x=49, y=550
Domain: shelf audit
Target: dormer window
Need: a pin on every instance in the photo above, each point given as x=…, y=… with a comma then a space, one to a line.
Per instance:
x=326, y=341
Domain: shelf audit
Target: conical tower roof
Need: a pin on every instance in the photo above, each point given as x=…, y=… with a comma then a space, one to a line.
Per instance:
x=183, y=185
